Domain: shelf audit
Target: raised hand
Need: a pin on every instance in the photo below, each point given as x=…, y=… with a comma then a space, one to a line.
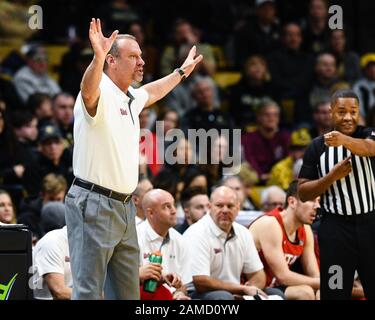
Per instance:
x=100, y=44
x=190, y=62
x=334, y=139
x=341, y=169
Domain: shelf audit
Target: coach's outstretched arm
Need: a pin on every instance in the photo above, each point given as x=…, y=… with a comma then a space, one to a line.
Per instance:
x=158, y=89
x=310, y=189
x=90, y=82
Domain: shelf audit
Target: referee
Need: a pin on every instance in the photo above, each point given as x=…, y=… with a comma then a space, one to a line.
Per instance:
x=339, y=167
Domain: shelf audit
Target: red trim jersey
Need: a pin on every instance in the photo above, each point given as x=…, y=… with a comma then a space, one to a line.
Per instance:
x=292, y=250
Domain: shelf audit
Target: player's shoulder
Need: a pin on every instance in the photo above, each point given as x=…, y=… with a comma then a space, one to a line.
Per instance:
x=265, y=223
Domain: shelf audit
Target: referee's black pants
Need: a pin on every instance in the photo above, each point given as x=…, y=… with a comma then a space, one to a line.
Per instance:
x=346, y=244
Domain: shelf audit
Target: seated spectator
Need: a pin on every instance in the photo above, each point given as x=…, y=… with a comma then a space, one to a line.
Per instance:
x=150, y=158
x=347, y=61
x=365, y=87
x=192, y=178
x=236, y=184
x=25, y=126
x=162, y=137
x=12, y=158
x=73, y=65
x=315, y=28
x=53, y=279
x=52, y=216
x=272, y=197
x=53, y=189
x=222, y=159
x=282, y=237
x=196, y=204
x=266, y=145
x=9, y=95
x=259, y=35
x=118, y=14
x=206, y=115
x=322, y=119
x=149, y=52
x=7, y=213
x=184, y=37
x=144, y=185
x=179, y=159
x=195, y=178
x=247, y=211
x=223, y=250
x=246, y=96
x=282, y=173
x=291, y=73
x=63, y=105
x=40, y=104
x=326, y=77
x=157, y=233
x=33, y=77
x=52, y=158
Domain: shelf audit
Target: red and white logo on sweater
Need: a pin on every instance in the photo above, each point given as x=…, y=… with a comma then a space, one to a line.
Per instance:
x=123, y=112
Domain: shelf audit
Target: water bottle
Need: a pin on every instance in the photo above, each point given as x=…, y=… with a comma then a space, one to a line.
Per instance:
x=151, y=284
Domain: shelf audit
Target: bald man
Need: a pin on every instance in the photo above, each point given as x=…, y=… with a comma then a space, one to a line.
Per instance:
x=156, y=233
x=223, y=250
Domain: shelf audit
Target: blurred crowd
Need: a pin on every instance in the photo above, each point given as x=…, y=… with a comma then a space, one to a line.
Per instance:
x=263, y=72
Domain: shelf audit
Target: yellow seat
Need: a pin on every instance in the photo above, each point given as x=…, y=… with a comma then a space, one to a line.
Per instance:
x=55, y=54
x=226, y=79
x=255, y=195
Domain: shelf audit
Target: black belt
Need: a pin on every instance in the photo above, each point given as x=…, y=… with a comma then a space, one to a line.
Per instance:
x=123, y=197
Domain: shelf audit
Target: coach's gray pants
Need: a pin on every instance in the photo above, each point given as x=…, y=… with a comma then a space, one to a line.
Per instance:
x=102, y=242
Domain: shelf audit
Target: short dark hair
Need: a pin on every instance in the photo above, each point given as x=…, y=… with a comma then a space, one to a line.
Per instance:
x=292, y=191
x=20, y=119
x=343, y=93
x=36, y=100
x=189, y=193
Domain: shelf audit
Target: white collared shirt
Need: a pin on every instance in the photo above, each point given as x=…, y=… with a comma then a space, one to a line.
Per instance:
x=218, y=257
x=106, y=146
x=51, y=255
x=138, y=220
x=176, y=257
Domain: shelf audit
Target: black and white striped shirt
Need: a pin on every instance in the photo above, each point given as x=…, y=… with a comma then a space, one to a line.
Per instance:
x=352, y=195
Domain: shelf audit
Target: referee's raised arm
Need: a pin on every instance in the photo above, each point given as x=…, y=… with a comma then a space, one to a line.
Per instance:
x=90, y=82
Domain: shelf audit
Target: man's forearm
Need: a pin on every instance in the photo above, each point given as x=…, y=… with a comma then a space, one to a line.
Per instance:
x=295, y=279
x=91, y=78
x=360, y=147
x=206, y=283
x=63, y=294
x=158, y=89
x=310, y=189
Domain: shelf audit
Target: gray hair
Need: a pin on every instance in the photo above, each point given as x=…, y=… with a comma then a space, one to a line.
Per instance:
x=266, y=193
x=115, y=51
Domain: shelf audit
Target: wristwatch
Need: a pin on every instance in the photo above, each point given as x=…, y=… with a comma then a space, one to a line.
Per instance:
x=181, y=72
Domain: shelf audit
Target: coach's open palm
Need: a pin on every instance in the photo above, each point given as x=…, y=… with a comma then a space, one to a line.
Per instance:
x=341, y=169
x=100, y=44
x=190, y=62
